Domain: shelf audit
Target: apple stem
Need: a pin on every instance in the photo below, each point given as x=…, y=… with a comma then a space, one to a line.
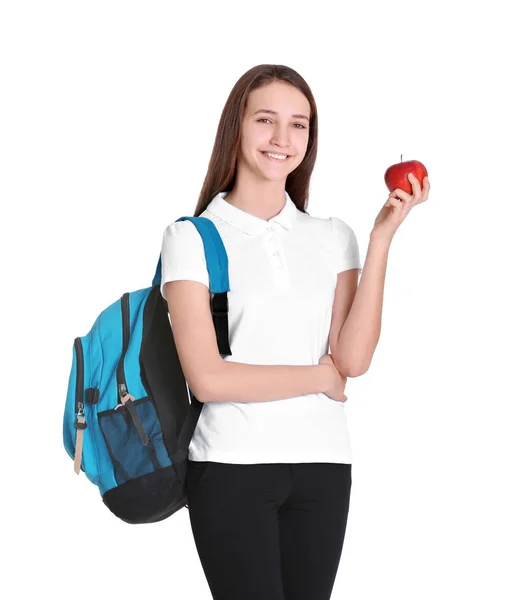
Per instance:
x=401, y=157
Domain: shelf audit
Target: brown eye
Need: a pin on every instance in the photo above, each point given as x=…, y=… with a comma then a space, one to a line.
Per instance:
x=297, y=125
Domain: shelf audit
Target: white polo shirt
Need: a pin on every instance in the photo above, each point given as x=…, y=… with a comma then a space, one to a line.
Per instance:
x=283, y=276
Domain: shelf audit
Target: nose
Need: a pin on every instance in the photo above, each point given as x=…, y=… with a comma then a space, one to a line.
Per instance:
x=280, y=137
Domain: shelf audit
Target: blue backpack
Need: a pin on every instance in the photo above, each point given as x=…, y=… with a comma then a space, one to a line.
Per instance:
x=128, y=418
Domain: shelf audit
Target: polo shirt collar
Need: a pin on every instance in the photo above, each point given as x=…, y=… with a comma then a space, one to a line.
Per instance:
x=247, y=222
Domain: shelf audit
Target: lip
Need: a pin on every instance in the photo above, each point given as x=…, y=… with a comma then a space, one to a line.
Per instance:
x=272, y=152
x=273, y=159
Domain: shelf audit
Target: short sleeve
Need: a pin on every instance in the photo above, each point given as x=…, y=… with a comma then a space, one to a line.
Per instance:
x=345, y=242
x=183, y=255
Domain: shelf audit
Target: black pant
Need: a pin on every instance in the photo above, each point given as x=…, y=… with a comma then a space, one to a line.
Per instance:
x=269, y=531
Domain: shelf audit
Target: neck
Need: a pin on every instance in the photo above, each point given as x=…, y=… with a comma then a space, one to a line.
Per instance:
x=261, y=198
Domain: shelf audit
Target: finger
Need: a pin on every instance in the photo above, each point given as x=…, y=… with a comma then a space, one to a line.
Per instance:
x=415, y=184
x=395, y=202
x=402, y=195
x=426, y=188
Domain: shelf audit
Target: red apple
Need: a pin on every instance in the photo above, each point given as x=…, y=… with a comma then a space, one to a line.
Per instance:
x=396, y=176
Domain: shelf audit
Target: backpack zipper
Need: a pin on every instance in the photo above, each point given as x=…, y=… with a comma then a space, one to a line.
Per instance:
x=126, y=399
x=120, y=371
x=80, y=422
x=80, y=376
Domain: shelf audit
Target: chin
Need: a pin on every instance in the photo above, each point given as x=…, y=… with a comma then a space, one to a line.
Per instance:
x=276, y=172
x=275, y=177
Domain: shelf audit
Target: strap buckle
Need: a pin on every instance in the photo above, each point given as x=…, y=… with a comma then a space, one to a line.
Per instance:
x=219, y=304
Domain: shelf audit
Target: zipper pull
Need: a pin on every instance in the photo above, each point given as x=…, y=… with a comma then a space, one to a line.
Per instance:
x=81, y=425
x=128, y=401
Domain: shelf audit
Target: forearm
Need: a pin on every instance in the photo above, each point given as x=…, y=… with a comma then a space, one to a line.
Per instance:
x=353, y=350
x=239, y=382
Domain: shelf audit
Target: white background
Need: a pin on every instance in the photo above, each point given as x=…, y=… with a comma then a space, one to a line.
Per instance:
x=109, y=112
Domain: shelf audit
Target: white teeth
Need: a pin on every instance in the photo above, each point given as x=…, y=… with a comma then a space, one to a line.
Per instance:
x=278, y=156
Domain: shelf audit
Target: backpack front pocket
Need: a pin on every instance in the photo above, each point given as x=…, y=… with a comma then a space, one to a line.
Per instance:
x=134, y=439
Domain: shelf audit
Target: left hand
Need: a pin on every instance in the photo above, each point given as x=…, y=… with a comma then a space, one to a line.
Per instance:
x=397, y=208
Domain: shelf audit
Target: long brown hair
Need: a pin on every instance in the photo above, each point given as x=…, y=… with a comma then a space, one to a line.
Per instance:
x=221, y=172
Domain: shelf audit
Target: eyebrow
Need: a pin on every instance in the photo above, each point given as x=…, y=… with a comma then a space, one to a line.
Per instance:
x=273, y=112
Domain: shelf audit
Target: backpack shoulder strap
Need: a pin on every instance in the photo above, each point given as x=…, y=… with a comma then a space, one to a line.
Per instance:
x=217, y=267
x=216, y=256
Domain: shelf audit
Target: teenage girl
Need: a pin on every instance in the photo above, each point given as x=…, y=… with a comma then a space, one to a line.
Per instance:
x=269, y=465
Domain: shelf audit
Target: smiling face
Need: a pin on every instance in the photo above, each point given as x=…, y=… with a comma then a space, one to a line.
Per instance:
x=274, y=122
